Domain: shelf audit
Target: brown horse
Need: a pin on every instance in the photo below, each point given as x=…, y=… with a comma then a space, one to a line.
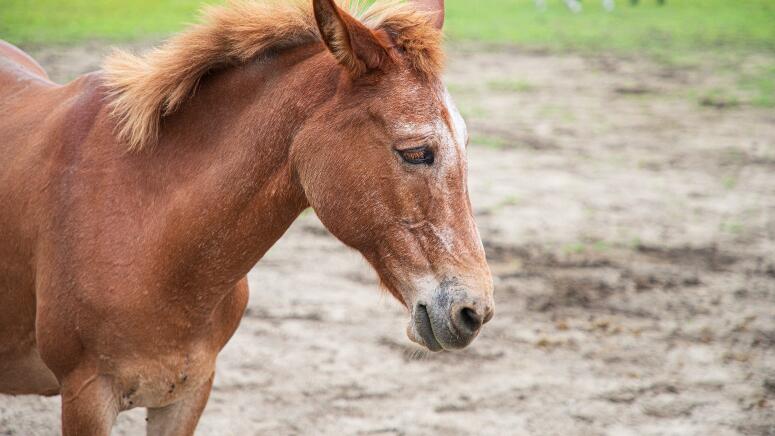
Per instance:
x=136, y=199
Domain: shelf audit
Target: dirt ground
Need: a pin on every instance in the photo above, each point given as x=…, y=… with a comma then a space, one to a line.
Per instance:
x=630, y=227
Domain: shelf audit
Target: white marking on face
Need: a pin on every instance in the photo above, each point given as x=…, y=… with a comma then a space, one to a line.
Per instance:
x=460, y=130
x=452, y=138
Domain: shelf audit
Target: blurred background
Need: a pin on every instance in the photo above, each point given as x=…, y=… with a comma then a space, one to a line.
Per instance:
x=622, y=171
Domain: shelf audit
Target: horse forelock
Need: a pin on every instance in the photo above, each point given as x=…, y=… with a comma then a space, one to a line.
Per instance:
x=144, y=89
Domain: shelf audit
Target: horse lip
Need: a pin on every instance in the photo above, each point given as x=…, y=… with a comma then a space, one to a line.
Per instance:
x=424, y=328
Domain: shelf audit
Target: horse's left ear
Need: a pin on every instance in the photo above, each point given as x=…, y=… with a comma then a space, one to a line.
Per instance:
x=436, y=10
x=354, y=45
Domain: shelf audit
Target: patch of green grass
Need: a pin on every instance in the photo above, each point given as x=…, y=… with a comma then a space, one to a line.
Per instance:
x=601, y=246
x=731, y=226
x=457, y=89
x=508, y=201
x=63, y=21
x=729, y=182
x=489, y=141
x=755, y=88
x=761, y=86
x=734, y=156
x=598, y=245
x=680, y=25
x=752, y=86
x=556, y=112
x=473, y=110
x=510, y=86
x=718, y=98
x=574, y=248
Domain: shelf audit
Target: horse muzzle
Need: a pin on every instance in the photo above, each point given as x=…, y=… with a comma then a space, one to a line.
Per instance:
x=450, y=319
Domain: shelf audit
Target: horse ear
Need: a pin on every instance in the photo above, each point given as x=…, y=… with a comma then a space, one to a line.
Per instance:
x=435, y=8
x=354, y=45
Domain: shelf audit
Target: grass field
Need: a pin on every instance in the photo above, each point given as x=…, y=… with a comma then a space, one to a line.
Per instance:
x=65, y=21
x=681, y=32
x=680, y=25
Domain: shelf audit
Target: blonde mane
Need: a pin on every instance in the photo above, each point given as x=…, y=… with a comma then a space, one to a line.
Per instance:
x=143, y=89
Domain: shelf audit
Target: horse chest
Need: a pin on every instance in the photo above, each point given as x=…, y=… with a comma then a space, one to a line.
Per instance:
x=162, y=379
x=176, y=360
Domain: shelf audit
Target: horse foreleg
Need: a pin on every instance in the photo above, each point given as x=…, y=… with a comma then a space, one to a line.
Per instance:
x=89, y=405
x=181, y=418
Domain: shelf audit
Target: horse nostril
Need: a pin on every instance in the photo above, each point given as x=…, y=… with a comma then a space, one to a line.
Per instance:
x=470, y=320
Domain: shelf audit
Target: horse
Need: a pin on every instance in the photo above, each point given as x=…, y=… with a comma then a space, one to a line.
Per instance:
x=135, y=199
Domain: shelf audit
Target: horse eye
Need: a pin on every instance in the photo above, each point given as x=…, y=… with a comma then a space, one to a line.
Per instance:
x=417, y=156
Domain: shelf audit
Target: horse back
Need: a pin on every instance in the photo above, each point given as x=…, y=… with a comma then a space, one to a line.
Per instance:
x=21, y=60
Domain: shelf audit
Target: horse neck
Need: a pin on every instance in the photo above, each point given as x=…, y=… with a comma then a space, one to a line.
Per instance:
x=226, y=156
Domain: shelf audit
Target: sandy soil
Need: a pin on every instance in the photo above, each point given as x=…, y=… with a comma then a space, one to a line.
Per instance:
x=631, y=232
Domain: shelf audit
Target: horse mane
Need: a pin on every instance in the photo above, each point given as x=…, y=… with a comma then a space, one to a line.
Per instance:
x=144, y=89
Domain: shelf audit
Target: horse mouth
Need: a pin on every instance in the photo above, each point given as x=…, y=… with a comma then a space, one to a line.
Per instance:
x=424, y=328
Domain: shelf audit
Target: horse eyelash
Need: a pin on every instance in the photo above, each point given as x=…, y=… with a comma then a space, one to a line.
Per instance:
x=418, y=156
x=415, y=155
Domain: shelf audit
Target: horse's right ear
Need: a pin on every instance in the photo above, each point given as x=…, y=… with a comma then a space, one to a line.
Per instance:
x=354, y=45
x=436, y=10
